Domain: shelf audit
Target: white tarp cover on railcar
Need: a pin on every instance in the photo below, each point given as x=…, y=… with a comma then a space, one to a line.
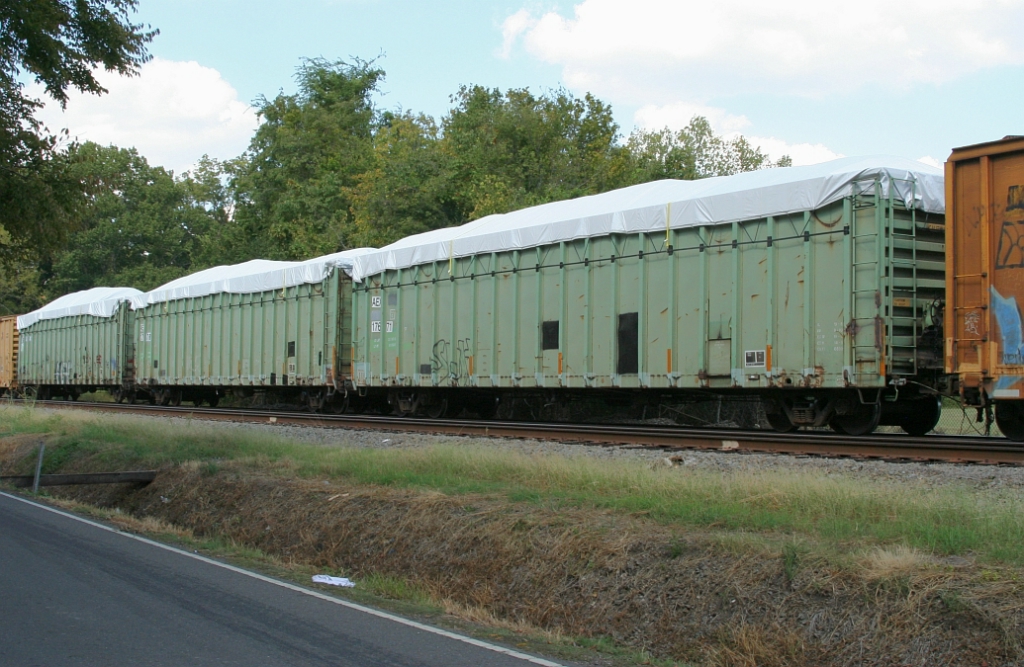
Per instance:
x=98, y=301
x=651, y=207
x=254, y=276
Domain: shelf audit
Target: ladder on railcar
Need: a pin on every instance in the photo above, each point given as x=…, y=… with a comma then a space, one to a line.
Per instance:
x=909, y=277
x=867, y=278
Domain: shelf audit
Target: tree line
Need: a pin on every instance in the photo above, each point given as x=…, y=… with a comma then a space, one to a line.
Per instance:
x=327, y=169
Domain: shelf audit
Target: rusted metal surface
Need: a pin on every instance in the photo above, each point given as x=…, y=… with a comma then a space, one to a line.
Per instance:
x=818, y=443
x=8, y=353
x=131, y=477
x=985, y=267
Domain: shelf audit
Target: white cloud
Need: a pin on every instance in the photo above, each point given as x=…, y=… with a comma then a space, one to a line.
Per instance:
x=673, y=58
x=664, y=51
x=678, y=114
x=801, y=153
x=512, y=28
x=173, y=113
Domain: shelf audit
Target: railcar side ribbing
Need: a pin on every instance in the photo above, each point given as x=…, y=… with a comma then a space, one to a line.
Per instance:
x=829, y=315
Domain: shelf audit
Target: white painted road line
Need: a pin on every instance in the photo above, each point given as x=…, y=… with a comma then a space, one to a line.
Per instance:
x=299, y=589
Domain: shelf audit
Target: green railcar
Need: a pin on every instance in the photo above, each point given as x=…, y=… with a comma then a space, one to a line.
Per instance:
x=280, y=328
x=827, y=314
x=76, y=344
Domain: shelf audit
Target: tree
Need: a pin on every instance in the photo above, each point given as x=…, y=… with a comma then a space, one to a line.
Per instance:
x=516, y=149
x=693, y=152
x=140, y=227
x=293, y=188
x=408, y=189
x=58, y=43
x=20, y=288
x=207, y=188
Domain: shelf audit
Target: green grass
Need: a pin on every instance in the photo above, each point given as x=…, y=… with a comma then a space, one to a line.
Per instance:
x=836, y=510
x=394, y=588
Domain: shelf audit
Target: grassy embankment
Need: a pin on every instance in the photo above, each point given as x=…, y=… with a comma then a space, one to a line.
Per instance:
x=876, y=539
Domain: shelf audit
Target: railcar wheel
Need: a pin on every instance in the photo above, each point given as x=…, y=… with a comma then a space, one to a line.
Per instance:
x=780, y=422
x=339, y=405
x=117, y=395
x=213, y=401
x=436, y=410
x=1010, y=419
x=924, y=417
x=862, y=422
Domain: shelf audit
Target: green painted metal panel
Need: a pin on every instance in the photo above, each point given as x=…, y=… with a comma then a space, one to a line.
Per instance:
x=811, y=299
x=79, y=350
x=296, y=336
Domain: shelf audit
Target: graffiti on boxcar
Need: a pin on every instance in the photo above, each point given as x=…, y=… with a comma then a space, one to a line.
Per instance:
x=1011, y=247
x=1008, y=318
x=971, y=321
x=1011, y=234
x=1015, y=198
x=448, y=362
x=62, y=372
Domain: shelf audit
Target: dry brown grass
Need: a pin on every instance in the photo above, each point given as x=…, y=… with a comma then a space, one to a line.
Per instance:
x=16, y=447
x=887, y=562
x=760, y=646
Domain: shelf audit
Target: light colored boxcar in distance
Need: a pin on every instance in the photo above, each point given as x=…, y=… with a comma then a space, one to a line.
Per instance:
x=77, y=343
x=8, y=355
x=727, y=285
x=985, y=288
x=277, y=327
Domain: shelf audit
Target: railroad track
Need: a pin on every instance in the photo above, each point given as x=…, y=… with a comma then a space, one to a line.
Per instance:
x=954, y=449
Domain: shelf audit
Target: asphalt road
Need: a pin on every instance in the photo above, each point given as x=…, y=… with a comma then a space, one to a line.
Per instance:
x=72, y=593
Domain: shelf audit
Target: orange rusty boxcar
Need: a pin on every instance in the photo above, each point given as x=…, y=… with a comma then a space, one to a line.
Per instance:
x=985, y=277
x=8, y=355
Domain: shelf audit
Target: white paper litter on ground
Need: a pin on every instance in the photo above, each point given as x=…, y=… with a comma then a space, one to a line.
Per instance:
x=98, y=301
x=673, y=204
x=252, y=277
x=333, y=581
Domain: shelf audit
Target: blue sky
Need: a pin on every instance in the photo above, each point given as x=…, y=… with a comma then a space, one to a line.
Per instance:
x=812, y=79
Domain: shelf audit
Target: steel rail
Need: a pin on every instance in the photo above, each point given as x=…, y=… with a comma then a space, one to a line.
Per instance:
x=958, y=449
